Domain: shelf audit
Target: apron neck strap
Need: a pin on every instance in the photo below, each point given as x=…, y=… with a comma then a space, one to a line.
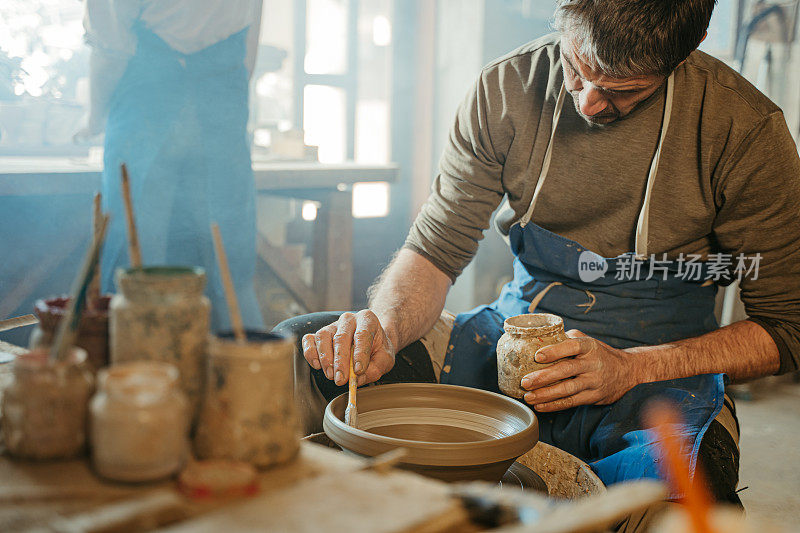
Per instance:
x=547, y=156
x=642, y=226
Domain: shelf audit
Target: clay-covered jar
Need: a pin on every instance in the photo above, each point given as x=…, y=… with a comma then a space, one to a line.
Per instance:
x=524, y=335
x=45, y=406
x=248, y=412
x=161, y=314
x=139, y=422
x=92, y=330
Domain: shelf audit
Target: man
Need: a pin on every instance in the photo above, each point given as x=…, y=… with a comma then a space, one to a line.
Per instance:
x=626, y=157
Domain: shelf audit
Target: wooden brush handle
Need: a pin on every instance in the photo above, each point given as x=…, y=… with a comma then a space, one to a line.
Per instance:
x=353, y=385
x=227, y=284
x=133, y=237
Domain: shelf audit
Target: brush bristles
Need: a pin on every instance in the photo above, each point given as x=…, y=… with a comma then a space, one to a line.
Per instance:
x=351, y=415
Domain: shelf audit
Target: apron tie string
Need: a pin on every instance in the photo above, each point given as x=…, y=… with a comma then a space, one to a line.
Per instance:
x=588, y=305
x=538, y=297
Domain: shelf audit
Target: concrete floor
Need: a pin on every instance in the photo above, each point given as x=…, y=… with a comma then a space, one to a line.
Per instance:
x=770, y=450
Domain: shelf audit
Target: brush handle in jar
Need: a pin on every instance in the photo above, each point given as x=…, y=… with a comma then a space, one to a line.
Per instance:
x=133, y=237
x=227, y=283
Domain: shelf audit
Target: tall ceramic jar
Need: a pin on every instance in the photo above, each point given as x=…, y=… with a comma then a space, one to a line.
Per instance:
x=248, y=411
x=161, y=314
x=139, y=422
x=45, y=406
x=524, y=335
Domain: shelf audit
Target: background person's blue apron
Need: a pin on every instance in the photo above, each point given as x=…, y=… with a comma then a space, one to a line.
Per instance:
x=620, y=312
x=179, y=122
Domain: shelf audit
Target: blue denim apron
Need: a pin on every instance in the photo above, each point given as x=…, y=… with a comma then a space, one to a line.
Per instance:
x=618, y=308
x=179, y=122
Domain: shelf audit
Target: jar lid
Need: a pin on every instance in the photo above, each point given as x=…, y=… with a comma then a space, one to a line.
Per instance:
x=216, y=478
x=141, y=381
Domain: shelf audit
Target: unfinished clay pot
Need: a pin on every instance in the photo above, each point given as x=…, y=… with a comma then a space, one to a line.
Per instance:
x=92, y=330
x=524, y=335
x=451, y=433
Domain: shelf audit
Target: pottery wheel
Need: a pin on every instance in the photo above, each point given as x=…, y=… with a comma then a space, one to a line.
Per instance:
x=521, y=477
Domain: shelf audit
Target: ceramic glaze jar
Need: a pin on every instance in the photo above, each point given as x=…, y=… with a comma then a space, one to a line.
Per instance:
x=248, y=411
x=92, y=330
x=161, y=314
x=44, y=408
x=139, y=422
x=524, y=335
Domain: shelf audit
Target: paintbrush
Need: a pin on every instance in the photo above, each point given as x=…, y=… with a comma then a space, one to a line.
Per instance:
x=227, y=283
x=94, y=285
x=68, y=326
x=133, y=237
x=663, y=418
x=351, y=413
x=18, y=322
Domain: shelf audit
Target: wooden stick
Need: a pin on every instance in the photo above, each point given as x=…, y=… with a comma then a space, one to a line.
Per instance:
x=133, y=237
x=351, y=412
x=94, y=285
x=664, y=418
x=227, y=283
x=68, y=326
x=18, y=322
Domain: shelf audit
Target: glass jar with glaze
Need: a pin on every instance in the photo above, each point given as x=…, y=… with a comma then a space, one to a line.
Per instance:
x=524, y=335
x=139, y=422
x=161, y=314
x=44, y=409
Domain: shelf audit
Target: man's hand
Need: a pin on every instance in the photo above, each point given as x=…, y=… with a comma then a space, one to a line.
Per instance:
x=586, y=372
x=329, y=348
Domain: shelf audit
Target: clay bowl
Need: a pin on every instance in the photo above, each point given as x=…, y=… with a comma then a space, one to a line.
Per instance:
x=451, y=433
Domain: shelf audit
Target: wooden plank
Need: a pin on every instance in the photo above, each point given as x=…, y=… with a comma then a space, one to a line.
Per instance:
x=353, y=501
x=333, y=252
x=287, y=274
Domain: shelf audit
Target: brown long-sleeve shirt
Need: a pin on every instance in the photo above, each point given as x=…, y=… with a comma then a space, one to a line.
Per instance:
x=728, y=179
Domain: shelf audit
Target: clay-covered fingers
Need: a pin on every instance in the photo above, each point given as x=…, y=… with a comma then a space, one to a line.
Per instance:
x=318, y=349
x=342, y=342
x=567, y=348
x=565, y=369
x=310, y=351
x=373, y=353
x=329, y=348
x=585, y=397
x=561, y=389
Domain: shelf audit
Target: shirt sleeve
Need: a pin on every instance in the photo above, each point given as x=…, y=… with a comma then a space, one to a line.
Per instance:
x=109, y=26
x=468, y=186
x=758, y=219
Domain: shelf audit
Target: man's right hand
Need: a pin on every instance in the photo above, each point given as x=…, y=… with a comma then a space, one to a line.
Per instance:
x=329, y=348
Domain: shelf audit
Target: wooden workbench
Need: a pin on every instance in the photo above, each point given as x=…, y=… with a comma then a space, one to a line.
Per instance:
x=320, y=489
x=328, y=184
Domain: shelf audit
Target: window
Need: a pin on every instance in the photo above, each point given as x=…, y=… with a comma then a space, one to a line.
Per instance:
x=43, y=77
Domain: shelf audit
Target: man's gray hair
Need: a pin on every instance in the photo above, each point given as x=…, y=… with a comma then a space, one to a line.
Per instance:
x=626, y=38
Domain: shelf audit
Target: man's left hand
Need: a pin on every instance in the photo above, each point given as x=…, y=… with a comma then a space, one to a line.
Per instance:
x=586, y=372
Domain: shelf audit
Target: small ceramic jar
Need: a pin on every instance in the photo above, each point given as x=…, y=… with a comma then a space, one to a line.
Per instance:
x=44, y=408
x=139, y=422
x=92, y=333
x=161, y=314
x=524, y=335
x=248, y=413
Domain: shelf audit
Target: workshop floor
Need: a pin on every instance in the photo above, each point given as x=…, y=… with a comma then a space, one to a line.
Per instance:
x=770, y=450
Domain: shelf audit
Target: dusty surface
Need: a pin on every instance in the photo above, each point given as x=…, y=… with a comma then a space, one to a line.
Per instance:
x=770, y=446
